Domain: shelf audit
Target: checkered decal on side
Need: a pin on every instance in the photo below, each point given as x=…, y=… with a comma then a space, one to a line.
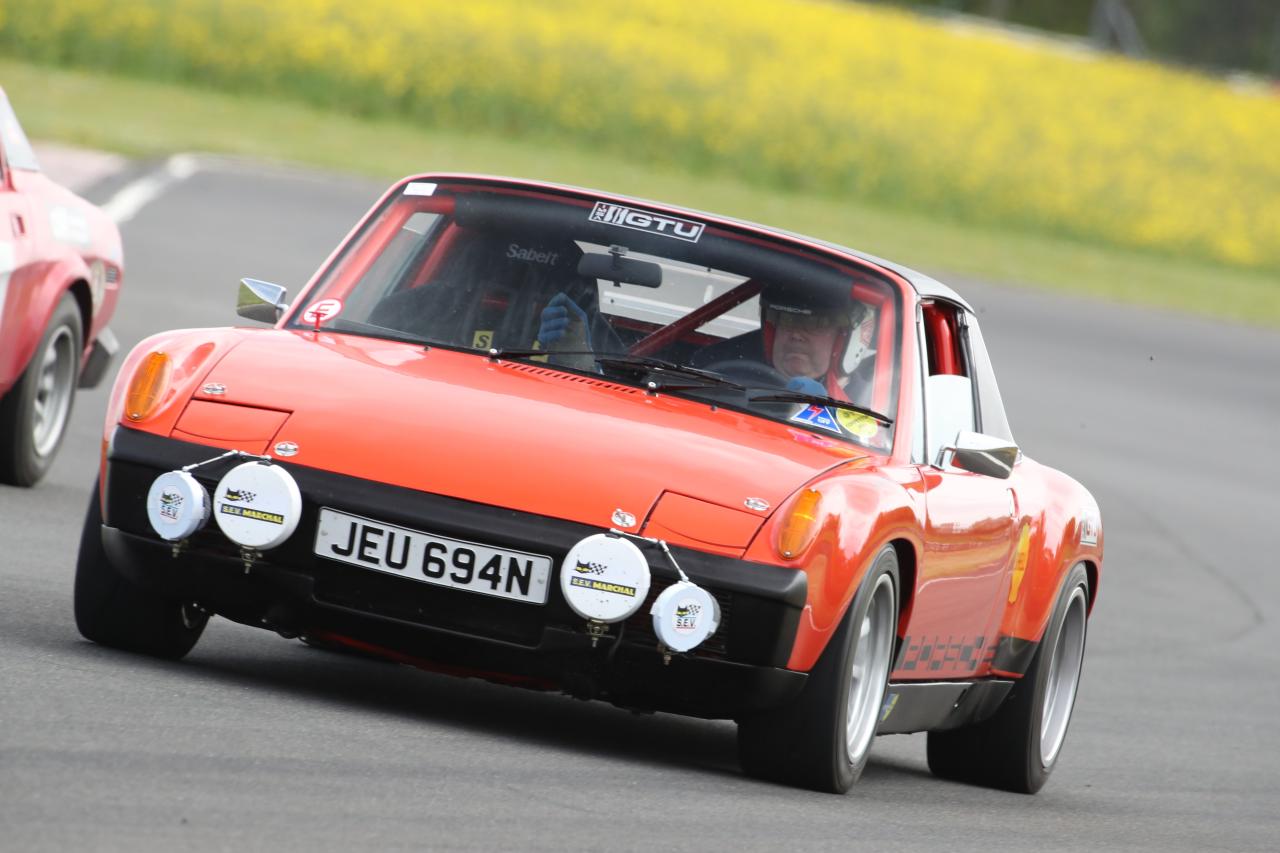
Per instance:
x=944, y=654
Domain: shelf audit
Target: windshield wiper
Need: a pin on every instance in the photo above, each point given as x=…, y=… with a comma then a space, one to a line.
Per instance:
x=816, y=399
x=342, y=324
x=657, y=365
x=639, y=363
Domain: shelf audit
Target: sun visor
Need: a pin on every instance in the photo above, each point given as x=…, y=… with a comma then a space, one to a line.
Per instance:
x=246, y=428
x=683, y=520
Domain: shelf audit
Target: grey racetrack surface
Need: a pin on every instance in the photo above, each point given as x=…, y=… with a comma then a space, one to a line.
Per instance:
x=256, y=742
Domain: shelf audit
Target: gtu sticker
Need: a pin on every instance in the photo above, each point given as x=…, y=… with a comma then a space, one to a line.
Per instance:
x=639, y=220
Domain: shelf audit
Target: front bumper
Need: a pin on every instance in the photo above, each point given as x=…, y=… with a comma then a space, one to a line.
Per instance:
x=739, y=670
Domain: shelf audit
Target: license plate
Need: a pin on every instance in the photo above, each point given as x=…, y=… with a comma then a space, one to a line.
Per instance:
x=434, y=559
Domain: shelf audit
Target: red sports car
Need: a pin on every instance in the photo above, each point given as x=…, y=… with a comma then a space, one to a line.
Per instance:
x=60, y=270
x=573, y=441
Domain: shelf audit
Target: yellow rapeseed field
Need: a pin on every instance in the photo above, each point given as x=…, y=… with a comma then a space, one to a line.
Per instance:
x=829, y=97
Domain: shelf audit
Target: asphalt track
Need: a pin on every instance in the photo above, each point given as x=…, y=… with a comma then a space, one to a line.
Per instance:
x=257, y=742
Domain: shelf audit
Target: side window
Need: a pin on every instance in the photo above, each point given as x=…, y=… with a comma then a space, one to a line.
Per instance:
x=990, y=407
x=17, y=150
x=949, y=391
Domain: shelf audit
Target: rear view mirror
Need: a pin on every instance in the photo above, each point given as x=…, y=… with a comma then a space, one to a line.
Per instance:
x=261, y=300
x=618, y=269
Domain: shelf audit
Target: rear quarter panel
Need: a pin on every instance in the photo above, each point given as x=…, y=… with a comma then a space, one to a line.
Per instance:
x=1059, y=514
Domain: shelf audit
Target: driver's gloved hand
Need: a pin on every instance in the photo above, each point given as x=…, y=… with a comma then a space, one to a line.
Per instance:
x=805, y=385
x=564, y=323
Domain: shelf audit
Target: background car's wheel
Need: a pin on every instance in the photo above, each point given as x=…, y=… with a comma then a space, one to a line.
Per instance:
x=114, y=612
x=1018, y=747
x=822, y=739
x=34, y=414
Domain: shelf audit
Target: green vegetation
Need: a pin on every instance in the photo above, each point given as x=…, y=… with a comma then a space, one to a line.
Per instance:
x=149, y=120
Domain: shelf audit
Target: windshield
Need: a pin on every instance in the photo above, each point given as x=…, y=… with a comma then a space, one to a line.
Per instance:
x=659, y=300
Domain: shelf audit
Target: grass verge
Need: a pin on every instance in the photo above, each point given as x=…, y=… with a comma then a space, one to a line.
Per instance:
x=143, y=119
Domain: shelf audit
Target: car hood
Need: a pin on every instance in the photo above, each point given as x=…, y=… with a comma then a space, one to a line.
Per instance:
x=512, y=434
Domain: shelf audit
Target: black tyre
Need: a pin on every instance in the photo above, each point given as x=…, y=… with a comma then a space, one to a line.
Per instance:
x=114, y=612
x=1017, y=749
x=822, y=739
x=35, y=412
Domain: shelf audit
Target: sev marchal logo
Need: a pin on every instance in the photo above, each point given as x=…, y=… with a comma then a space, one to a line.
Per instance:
x=593, y=568
x=240, y=495
x=639, y=220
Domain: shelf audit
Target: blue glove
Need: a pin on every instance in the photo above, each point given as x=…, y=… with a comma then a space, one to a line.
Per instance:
x=805, y=385
x=557, y=319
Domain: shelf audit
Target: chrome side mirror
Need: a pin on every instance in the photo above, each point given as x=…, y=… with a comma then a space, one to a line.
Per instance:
x=981, y=454
x=261, y=300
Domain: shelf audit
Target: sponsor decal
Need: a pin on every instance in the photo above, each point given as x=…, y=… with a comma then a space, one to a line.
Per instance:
x=240, y=495
x=887, y=708
x=170, y=505
x=856, y=423
x=604, y=586
x=323, y=310
x=68, y=226
x=685, y=619
x=817, y=416
x=1089, y=530
x=590, y=568
x=420, y=188
x=639, y=220
x=516, y=252
x=935, y=654
x=482, y=338
x=255, y=514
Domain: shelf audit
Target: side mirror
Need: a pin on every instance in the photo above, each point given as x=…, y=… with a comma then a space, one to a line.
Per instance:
x=261, y=300
x=981, y=454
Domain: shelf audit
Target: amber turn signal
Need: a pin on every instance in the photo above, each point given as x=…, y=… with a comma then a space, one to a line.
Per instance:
x=800, y=525
x=147, y=387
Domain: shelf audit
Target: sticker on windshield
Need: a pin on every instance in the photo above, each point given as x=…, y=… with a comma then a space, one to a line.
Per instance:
x=817, y=416
x=857, y=423
x=639, y=220
x=482, y=339
x=323, y=310
x=420, y=188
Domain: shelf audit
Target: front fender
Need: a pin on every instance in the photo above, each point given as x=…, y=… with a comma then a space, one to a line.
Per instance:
x=859, y=512
x=192, y=353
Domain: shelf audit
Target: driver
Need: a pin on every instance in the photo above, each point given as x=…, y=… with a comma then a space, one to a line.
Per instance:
x=805, y=333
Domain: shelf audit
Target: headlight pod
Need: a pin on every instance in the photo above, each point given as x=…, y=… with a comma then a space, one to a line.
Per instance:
x=257, y=505
x=146, y=388
x=799, y=525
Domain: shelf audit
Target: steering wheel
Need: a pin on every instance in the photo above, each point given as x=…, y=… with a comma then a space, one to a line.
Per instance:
x=749, y=372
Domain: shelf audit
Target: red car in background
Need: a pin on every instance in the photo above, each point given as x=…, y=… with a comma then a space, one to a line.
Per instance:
x=60, y=269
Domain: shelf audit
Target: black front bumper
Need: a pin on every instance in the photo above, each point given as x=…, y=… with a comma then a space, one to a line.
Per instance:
x=739, y=670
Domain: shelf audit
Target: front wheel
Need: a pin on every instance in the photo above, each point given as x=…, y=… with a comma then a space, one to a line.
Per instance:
x=35, y=412
x=822, y=739
x=113, y=611
x=1018, y=747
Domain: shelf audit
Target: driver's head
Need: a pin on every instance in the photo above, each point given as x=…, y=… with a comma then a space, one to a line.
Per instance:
x=806, y=329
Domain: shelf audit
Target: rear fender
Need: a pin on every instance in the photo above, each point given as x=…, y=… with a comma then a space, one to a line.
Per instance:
x=1060, y=536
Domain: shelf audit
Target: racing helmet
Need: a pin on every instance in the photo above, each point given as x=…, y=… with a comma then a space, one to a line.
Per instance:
x=814, y=306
